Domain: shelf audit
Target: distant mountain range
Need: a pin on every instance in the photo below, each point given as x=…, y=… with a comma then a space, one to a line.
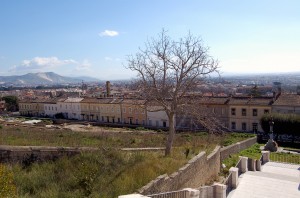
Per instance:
x=42, y=78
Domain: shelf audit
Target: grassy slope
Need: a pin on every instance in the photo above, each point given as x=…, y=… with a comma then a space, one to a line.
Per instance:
x=108, y=173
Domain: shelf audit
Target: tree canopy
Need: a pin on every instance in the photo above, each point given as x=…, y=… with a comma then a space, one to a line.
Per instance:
x=167, y=70
x=12, y=103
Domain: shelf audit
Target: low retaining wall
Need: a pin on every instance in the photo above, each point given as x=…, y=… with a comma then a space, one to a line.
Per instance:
x=197, y=172
x=20, y=154
x=236, y=148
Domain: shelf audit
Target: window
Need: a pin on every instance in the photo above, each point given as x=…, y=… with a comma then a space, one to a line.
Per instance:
x=150, y=122
x=232, y=111
x=130, y=110
x=164, y=124
x=254, y=112
x=266, y=111
x=233, y=125
x=157, y=123
x=254, y=127
x=119, y=120
x=112, y=109
x=143, y=122
x=244, y=126
x=124, y=110
x=244, y=112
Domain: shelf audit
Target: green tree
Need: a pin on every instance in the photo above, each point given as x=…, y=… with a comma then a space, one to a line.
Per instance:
x=12, y=103
x=254, y=91
x=283, y=124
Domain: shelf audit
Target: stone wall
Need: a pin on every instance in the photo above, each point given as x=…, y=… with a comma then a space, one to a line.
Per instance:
x=21, y=154
x=236, y=148
x=197, y=172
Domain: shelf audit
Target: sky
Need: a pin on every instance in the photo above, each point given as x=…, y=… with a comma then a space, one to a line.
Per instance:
x=94, y=37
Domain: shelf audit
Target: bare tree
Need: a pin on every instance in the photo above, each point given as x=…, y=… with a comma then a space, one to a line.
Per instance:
x=167, y=70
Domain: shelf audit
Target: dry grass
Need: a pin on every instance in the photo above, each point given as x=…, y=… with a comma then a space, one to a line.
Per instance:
x=108, y=173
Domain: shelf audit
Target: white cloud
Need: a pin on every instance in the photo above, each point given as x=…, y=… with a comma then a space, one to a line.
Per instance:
x=110, y=33
x=84, y=66
x=41, y=64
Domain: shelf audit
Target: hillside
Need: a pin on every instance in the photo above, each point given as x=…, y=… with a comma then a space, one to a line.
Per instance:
x=42, y=78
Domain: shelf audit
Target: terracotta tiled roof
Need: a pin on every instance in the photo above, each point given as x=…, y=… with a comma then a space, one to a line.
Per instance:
x=102, y=100
x=213, y=100
x=288, y=100
x=250, y=101
x=45, y=100
x=133, y=101
x=73, y=100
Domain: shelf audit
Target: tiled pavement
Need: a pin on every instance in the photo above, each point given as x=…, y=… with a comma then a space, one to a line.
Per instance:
x=276, y=180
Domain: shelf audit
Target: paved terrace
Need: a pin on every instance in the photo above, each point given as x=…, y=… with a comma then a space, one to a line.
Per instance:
x=275, y=180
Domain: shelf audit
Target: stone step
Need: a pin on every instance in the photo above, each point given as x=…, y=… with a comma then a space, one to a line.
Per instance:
x=274, y=176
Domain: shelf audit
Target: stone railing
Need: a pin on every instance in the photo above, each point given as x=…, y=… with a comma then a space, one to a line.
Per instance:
x=236, y=148
x=216, y=191
x=195, y=173
x=245, y=164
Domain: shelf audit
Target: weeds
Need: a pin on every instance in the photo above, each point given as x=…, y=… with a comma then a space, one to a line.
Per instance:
x=7, y=187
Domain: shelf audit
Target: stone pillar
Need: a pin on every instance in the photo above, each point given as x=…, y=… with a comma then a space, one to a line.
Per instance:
x=133, y=196
x=244, y=164
x=265, y=156
x=251, y=164
x=206, y=192
x=258, y=165
x=235, y=176
x=219, y=190
x=193, y=193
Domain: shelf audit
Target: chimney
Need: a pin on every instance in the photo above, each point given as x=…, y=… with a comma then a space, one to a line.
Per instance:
x=107, y=89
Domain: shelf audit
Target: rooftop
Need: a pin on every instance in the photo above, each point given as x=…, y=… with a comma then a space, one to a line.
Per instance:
x=287, y=100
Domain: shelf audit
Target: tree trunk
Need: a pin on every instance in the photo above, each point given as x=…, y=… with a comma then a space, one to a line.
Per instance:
x=171, y=134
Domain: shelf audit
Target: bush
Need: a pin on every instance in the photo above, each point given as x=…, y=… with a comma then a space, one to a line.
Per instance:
x=288, y=124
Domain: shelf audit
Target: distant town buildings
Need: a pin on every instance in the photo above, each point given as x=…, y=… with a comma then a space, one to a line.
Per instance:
x=235, y=113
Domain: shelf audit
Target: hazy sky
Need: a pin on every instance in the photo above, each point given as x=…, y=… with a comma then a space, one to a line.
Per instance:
x=93, y=37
